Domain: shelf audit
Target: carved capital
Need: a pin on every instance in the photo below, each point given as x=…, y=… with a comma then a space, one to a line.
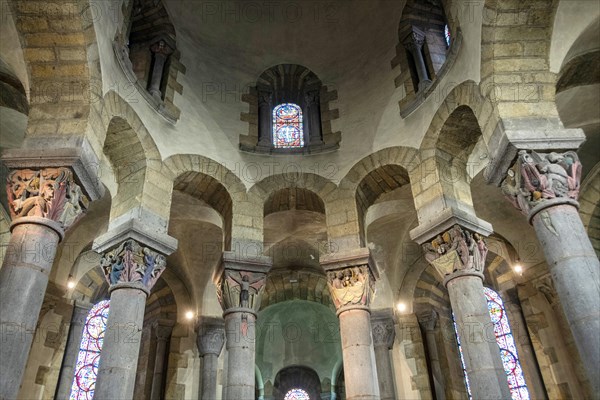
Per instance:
x=131, y=262
x=414, y=40
x=163, y=330
x=538, y=177
x=351, y=286
x=383, y=329
x=161, y=47
x=241, y=282
x=48, y=193
x=456, y=250
x=211, y=336
x=429, y=321
x=264, y=98
x=312, y=97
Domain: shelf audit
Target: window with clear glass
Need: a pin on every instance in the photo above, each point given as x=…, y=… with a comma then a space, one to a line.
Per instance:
x=506, y=346
x=86, y=367
x=287, y=126
x=447, y=34
x=296, y=394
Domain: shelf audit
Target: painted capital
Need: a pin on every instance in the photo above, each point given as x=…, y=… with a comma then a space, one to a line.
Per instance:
x=48, y=193
x=351, y=286
x=241, y=282
x=383, y=329
x=131, y=262
x=456, y=250
x=539, y=177
x=211, y=336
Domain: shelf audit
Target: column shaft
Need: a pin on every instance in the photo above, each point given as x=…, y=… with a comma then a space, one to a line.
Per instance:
x=360, y=372
x=385, y=374
x=119, y=358
x=157, y=72
x=23, y=281
x=482, y=358
x=209, y=377
x=159, y=365
x=575, y=270
x=240, y=346
x=67, y=369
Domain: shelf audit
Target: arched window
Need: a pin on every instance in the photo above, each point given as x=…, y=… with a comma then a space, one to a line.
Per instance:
x=86, y=367
x=296, y=394
x=506, y=346
x=447, y=34
x=287, y=126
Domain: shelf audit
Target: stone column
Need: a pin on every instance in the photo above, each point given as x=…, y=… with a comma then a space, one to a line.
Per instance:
x=265, y=123
x=67, y=369
x=163, y=332
x=459, y=256
x=240, y=284
x=413, y=42
x=161, y=51
x=43, y=203
x=131, y=270
x=384, y=333
x=312, y=100
x=429, y=323
x=545, y=187
x=350, y=278
x=211, y=338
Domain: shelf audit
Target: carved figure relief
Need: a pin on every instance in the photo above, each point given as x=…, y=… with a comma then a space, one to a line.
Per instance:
x=536, y=177
x=456, y=250
x=48, y=193
x=350, y=286
x=131, y=262
x=241, y=289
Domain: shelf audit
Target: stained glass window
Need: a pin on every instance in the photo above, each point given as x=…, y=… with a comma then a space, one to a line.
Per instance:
x=447, y=34
x=287, y=126
x=462, y=359
x=296, y=394
x=86, y=367
x=506, y=345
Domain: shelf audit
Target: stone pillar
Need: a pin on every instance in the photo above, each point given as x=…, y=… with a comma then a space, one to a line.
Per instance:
x=131, y=270
x=384, y=333
x=459, y=256
x=413, y=42
x=350, y=278
x=161, y=51
x=429, y=322
x=163, y=332
x=43, y=203
x=67, y=369
x=545, y=187
x=210, y=341
x=265, y=123
x=240, y=284
x=312, y=100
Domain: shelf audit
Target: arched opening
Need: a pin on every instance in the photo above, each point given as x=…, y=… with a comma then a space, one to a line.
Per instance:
x=297, y=383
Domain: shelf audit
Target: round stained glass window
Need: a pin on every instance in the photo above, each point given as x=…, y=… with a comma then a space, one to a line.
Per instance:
x=296, y=394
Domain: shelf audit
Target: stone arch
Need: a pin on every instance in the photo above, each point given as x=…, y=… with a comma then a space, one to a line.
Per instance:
x=378, y=173
x=219, y=187
x=508, y=60
x=136, y=164
x=589, y=206
x=296, y=285
x=294, y=199
x=296, y=377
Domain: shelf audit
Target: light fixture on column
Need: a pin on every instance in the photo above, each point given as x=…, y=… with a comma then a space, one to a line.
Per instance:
x=71, y=282
x=401, y=307
x=518, y=267
x=190, y=315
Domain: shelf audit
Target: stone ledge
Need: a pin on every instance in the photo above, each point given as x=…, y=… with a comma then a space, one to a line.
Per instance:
x=135, y=229
x=349, y=258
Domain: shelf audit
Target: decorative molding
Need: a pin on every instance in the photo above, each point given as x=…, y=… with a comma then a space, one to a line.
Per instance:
x=131, y=262
x=456, y=250
x=49, y=193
